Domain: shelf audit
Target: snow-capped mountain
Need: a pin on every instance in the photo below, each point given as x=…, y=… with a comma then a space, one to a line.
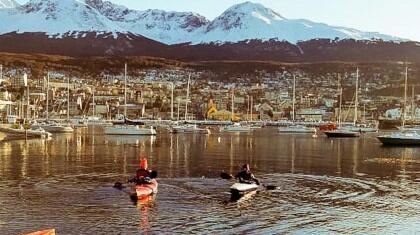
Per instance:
x=254, y=21
x=241, y=22
x=162, y=26
x=8, y=4
x=56, y=17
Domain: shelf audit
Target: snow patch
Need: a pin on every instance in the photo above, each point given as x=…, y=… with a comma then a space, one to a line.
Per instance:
x=245, y=21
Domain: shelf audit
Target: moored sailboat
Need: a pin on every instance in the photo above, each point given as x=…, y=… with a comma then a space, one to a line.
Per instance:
x=345, y=132
x=128, y=127
x=294, y=128
x=404, y=136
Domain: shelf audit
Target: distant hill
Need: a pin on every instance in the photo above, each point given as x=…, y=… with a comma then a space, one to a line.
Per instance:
x=316, y=50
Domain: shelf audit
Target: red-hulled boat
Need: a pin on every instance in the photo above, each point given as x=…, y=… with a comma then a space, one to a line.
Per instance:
x=43, y=232
x=146, y=189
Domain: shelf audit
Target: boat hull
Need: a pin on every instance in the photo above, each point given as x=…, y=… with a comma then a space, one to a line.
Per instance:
x=292, y=130
x=189, y=130
x=24, y=133
x=145, y=190
x=238, y=190
x=129, y=130
x=54, y=128
x=385, y=140
x=339, y=134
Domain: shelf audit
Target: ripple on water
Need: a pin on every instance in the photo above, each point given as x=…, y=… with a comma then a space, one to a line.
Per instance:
x=300, y=204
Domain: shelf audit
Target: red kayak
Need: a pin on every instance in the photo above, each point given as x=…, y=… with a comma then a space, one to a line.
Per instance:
x=43, y=232
x=145, y=190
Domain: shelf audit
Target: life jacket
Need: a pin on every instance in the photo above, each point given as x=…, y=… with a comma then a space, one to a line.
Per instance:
x=142, y=173
x=244, y=175
x=143, y=163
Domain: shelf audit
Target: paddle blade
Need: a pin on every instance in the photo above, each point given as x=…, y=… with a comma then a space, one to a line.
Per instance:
x=270, y=187
x=118, y=185
x=226, y=176
x=153, y=174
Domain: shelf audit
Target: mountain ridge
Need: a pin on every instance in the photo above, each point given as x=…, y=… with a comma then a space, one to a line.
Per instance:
x=244, y=21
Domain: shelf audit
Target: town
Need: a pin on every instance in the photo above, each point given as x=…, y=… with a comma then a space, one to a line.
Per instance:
x=166, y=94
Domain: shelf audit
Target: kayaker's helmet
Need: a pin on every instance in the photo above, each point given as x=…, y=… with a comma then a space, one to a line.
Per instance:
x=143, y=164
x=246, y=167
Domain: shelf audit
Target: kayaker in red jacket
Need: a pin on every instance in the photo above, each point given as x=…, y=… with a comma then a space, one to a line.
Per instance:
x=245, y=176
x=143, y=174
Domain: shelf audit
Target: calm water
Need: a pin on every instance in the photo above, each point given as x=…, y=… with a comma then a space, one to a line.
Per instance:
x=329, y=186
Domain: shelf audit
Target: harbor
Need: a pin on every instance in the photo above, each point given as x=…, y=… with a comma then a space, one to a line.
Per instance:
x=322, y=184
x=190, y=117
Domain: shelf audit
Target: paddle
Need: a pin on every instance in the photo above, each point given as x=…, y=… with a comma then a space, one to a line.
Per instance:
x=227, y=176
x=120, y=186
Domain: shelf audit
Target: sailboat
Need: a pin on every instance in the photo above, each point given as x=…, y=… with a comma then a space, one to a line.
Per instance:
x=125, y=128
x=188, y=128
x=52, y=126
x=235, y=127
x=402, y=137
x=360, y=127
x=342, y=132
x=413, y=115
x=294, y=128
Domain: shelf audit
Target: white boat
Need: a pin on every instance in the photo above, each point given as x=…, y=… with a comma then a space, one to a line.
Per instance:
x=125, y=128
x=238, y=190
x=297, y=129
x=79, y=122
x=361, y=128
x=54, y=127
x=236, y=127
x=129, y=130
x=402, y=137
x=97, y=121
x=13, y=133
x=409, y=128
x=346, y=131
x=11, y=119
x=192, y=129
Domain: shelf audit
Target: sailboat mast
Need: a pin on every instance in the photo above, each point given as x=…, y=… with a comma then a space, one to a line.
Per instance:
x=125, y=90
x=233, y=96
x=340, y=92
x=294, y=98
x=48, y=89
x=93, y=102
x=356, y=99
x=252, y=104
x=68, y=98
x=405, y=96
x=188, y=96
x=413, y=108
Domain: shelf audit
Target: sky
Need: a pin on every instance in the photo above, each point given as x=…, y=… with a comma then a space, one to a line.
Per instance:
x=395, y=17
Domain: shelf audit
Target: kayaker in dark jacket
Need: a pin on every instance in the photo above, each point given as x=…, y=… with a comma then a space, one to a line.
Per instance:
x=143, y=174
x=245, y=176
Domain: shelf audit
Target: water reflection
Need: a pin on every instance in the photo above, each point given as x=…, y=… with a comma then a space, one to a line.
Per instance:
x=325, y=186
x=145, y=207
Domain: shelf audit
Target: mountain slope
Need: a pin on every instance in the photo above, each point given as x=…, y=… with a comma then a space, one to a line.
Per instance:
x=245, y=21
x=162, y=26
x=125, y=44
x=4, y=4
x=254, y=21
x=56, y=17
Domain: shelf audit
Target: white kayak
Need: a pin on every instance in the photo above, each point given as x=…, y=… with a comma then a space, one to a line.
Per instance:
x=243, y=188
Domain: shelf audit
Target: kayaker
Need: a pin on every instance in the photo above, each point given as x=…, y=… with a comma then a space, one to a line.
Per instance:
x=143, y=174
x=245, y=176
